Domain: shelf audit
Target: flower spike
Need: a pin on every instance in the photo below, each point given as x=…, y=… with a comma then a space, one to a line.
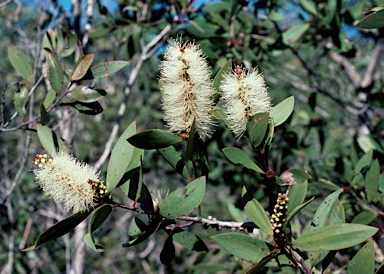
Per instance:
x=245, y=94
x=187, y=90
x=77, y=185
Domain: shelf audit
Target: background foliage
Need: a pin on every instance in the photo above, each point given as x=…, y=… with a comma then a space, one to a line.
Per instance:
x=311, y=50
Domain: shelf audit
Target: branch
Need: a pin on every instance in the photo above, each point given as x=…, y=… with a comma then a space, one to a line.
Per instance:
x=348, y=67
x=147, y=51
x=30, y=120
x=300, y=262
x=374, y=68
x=214, y=223
x=206, y=222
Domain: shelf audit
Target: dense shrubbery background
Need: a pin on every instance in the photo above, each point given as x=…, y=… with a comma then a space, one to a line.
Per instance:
x=306, y=49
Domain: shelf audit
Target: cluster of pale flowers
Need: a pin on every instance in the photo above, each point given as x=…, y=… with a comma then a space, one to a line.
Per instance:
x=187, y=92
x=187, y=97
x=75, y=184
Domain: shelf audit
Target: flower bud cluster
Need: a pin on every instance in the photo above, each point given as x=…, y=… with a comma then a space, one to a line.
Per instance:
x=75, y=184
x=101, y=191
x=278, y=217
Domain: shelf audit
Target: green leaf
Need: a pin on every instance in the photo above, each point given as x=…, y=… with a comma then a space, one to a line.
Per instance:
x=70, y=43
x=136, y=186
x=296, y=195
x=237, y=156
x=104, y=69
x=98, y=217
x=92, y=108
x=365, y=217
x=216, y=8
x=43, y=115
x=335, y=237
x=260, y=265
x=174, y=159
x=269, y=135
x=372, y=181
x=145, y=199
x=148, y=232
x=326, y=184
x=373, y=20
x=20, y=63
x=55, y=71
x=297, y=209
x=257, y=127
x=99, y=31
x=183, y=201
x=49, y=98
x=219, y=76
x=88, y=240
x=282, y=111
x=212, y=268
x=82, y=67
x=200, y=28
x=168, y=252
x=276, y=15
x=87, y=94
x=357, y=180
x=243, y=246
x=49, y=139
x=256, y=213
x=154, y=139
x=136, y=227
x=294, y=34
x=96, y=220
x=326, y=214
x=367, y=143
x=60, y=228
x=364, y=161
x=363, y=261
x=190, y=241
x=308, y=6
x=121, y=157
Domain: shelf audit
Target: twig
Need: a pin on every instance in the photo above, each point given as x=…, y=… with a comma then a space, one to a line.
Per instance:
x=30, y=120
x=300, y=262
x=206, y=222
x=147, y=51
x=2, y=5
x=374, y=67
x=350, y=70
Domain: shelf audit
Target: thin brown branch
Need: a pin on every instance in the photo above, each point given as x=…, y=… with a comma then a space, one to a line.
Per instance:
x=374, y=68
x=300, y=262
x=147, y=51
x=206, y=222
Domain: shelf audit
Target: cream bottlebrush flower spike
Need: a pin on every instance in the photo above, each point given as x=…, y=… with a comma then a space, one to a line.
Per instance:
x=77, y=185
x=245, y=94
x=187, y=89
